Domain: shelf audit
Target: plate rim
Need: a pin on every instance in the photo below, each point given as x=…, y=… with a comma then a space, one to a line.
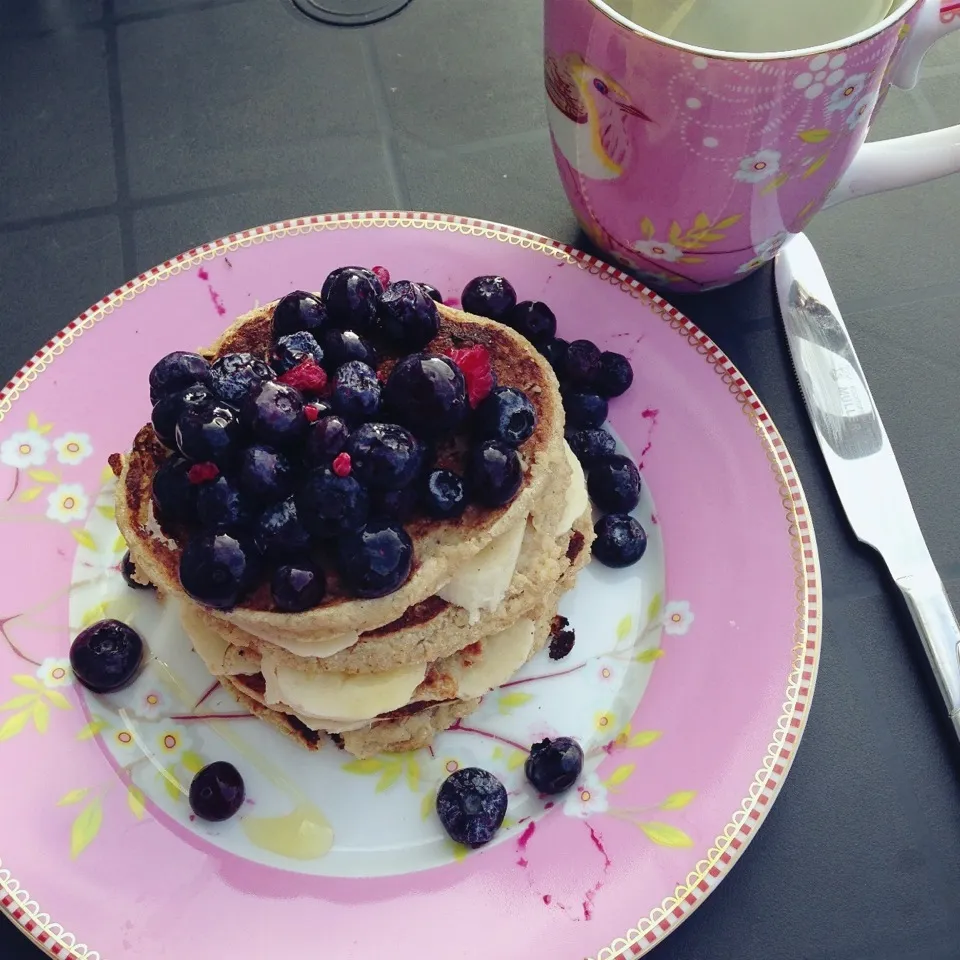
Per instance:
x=709, y=870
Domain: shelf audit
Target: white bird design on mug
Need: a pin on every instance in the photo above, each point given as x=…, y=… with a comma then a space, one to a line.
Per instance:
x=590, y=114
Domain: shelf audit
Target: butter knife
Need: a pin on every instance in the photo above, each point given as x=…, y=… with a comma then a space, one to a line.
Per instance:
x=859, y=456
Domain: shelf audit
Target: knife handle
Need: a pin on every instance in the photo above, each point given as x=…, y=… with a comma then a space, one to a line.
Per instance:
x=936, y=623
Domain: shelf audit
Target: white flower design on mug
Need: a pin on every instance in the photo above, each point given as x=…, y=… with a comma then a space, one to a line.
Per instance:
x=845, y=96
x=73, y=448
x=67, y=502
x=658, y=250
x=759, y=167
x=823, y=71
x=24, y=449
x=862, y=111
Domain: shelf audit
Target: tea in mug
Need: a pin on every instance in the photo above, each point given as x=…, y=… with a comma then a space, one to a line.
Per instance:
x=755, y=26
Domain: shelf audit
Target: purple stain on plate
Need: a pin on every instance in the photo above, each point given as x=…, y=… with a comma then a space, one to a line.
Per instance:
x=217, y=302
x=452, y=302
x=202, y=274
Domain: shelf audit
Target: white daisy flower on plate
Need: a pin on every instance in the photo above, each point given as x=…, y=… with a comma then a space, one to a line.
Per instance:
x=589, y=796
x=759, y=167
x=24, y=449
x=677, y=617
x=55, y=672
x=67, y=502
x=167, y=741
x=147, y=699
x=73, y=448
x=658, y=250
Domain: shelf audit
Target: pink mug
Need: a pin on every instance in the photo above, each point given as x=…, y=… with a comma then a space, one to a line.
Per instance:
x=692, y=167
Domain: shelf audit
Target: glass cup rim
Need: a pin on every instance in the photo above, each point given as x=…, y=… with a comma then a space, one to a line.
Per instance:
x=834, y=46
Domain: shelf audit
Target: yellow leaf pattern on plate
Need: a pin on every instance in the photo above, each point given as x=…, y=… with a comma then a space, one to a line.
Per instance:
x=119, y=545
x=23, y=680
x=136, y=801
x=648, y=656
x=458, y=850
x=653, y=610
x=99, y=612
x=364, y=767
x=14, y=724
x=192, y=761
x=24, y=700
x=679, y=800
x=389, y=777
x=57, y=699
x=84, y=539
x=34, y=424
x=41, y=716
x=92, y=728
x=86, y=827
x=74, y=796
x=107, y=510
x=510, y=701
x=107, y=475
x=170, y=782
x=517, y=759
x=43, y=476
x=620, y=775
x=31, y=494
x=428, y=804
x=664, y=835
x=644, y=738
x=413, y=772
x=624, y=628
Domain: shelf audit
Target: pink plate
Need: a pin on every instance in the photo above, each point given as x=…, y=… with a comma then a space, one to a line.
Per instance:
x=717, y=629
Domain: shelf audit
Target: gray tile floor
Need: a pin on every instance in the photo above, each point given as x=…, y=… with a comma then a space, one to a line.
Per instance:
x=133, y=129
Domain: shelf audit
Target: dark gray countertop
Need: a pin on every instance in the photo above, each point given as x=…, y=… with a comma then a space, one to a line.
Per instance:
x=133, y=129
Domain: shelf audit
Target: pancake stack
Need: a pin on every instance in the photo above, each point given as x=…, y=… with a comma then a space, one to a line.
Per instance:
x=387, y=673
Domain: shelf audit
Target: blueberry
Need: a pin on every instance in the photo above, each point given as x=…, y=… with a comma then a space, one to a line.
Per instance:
x=217, y=791
x=506, y=415
x=325, y=439
x=582, y=364
x=615, y=376
x=290, y=351
x=174, y=496
x=614, y=484
x=554, y=765
x=177, y=371
x=444, y=494
x=265, y=474
x=591, y=444
x=330, y=505
x=384, y=455
x=471, y=805
x=279, y=534
x=555, y=353
x=236, y=374
x=408, y=316
x=432, y=292
x=297, y=586
x=621, y=541
x=167, y=410
x=128, y=570
x=494, y=473
x=221, y=506
x=274, y=413
x=376, y=559
x=106, y=656
x=350, y=294
x=219, y=570
x=533, y=320
x=299, y=311
x=492, y=297
x=342, y=346
x=356, y=392
x=210, y=434
x=396, y=505
x=428, y=394
x=584, y=409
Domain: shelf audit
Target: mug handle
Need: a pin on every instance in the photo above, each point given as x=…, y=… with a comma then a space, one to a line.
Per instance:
x=905, y=161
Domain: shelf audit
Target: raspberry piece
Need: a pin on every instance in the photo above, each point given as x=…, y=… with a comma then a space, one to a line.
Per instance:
x=307, y=377
x=311, y=413
x=202, y=472
x=382, y=274
x=474, y=363
x=342, y=465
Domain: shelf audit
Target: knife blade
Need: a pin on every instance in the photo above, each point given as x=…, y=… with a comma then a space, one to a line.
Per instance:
x=859, y=456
